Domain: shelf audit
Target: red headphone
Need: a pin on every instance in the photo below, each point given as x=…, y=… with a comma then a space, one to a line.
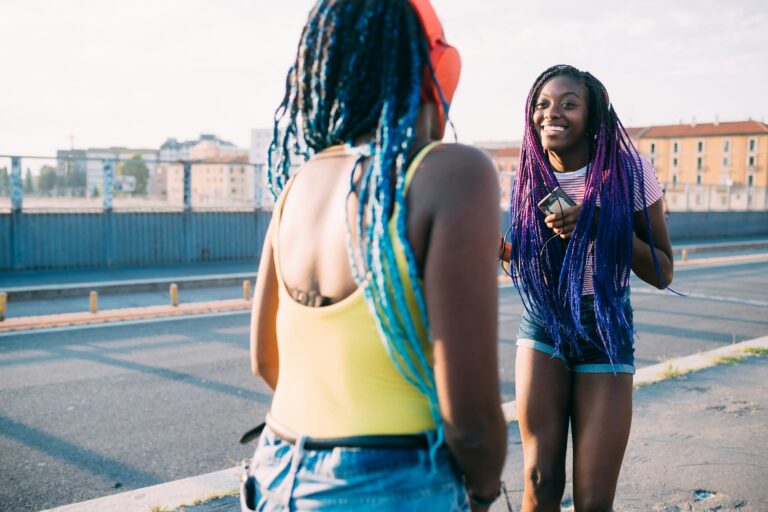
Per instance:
x=445, y=59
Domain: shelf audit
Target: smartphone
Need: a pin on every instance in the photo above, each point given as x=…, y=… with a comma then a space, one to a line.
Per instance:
x=555, y=202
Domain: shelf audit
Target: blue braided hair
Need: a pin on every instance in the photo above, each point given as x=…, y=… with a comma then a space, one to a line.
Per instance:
x=359, y=69
x=550, y=276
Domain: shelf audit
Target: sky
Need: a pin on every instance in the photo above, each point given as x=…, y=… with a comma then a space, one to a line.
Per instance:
x=117, y=73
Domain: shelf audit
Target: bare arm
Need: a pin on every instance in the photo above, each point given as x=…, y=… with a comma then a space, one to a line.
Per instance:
x=264, y=354
x=642, y=260
x=462, y=301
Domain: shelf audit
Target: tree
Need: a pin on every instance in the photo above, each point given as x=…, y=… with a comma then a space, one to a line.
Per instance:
x=47, y=180
x=75, y=178
x=29, y=186
x=138, y=169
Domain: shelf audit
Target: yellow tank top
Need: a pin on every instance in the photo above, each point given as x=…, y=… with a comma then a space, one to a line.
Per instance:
x=336, y=379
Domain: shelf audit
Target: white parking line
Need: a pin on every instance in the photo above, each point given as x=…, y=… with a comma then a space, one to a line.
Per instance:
x=701, y=296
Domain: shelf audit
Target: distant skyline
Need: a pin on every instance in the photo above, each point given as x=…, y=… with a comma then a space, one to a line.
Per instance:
x=135, y=73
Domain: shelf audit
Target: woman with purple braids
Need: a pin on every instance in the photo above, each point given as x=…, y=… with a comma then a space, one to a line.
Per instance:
x=571, y=266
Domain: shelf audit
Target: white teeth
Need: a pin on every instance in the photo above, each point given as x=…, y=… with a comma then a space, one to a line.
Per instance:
x=553, y=129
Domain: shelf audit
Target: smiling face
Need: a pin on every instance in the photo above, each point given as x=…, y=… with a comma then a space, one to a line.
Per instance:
x=560, y=118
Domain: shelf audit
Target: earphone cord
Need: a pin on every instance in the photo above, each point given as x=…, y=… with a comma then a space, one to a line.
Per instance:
x=511, y=224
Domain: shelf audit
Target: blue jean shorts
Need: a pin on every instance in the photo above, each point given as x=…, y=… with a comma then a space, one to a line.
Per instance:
x=590, y=358
x=289, y=477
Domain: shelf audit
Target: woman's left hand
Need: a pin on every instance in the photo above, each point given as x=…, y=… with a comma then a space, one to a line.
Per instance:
x=564, y=223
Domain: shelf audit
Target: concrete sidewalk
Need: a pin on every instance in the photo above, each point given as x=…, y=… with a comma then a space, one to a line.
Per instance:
x=212, y=306
x=699, y=442
x=40, y=284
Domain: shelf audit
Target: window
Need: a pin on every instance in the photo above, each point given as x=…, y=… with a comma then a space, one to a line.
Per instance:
x=726, y=145
x=699, y=164
x=675, y=147
x=653, y=162
x=726, y=161
x=653, y=147
x=752, y=145
x=701, y=146
x=674, y=162
x=674, y=179
x=751, y=161
x=698, y=179
x=750, y=180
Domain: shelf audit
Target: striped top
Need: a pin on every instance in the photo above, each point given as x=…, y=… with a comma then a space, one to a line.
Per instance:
x=573, y=183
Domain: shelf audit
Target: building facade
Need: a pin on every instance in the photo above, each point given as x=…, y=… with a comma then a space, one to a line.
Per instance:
x=221, y=176
x=506, y=159
x=719, y=153
x=94, y=177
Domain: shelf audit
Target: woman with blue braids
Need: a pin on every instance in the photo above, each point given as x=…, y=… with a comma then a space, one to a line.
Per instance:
x=571, y=265
x=375, y=308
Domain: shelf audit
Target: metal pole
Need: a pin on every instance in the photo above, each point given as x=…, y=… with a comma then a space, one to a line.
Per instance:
x=94, y=302
x=174, y=289
x=109, y=176
x=187, y=186
x=247, y=290
x=3, y=305
x=17, y=189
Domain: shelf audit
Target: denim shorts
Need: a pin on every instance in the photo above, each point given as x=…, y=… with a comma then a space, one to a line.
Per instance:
x=590, y=358
x=289, y=477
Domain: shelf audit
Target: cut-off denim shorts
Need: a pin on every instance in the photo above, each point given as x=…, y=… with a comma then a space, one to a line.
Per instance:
x=290, y=477
x=590, y=357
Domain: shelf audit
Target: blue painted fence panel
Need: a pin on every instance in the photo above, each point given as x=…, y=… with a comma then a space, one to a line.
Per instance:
x=71, y=240
x=30, y=241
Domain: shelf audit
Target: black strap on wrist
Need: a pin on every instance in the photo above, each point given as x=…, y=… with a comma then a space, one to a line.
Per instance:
x=483, y=502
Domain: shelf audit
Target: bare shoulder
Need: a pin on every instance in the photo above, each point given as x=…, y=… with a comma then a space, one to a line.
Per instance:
x=457, y=170
x=462, y=159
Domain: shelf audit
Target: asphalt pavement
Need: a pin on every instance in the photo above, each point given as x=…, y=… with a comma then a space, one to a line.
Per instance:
x=53, y=412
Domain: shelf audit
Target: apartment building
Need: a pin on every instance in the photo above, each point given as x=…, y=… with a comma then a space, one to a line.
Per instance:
x=221, y=176
x=718, y=153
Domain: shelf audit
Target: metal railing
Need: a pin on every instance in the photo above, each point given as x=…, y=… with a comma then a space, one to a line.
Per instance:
x=690, y=197
x=169, y=185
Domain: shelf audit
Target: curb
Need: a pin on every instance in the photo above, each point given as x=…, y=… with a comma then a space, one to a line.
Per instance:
x=188, y=491
x=194, y=308
x=170, y=495
x=125, y=286
x=26, y=323
x=724, y=246
x=687, y=264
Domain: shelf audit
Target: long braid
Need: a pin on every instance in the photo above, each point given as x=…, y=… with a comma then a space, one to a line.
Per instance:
x=359, y=71
x=550, y=276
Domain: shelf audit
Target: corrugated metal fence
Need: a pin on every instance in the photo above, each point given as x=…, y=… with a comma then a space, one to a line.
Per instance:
x=30, y=241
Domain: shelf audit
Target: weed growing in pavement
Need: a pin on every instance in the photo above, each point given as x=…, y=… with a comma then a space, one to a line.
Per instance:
x=756, y=351
x=727, y=359
x=214, y=496
x=671, y=372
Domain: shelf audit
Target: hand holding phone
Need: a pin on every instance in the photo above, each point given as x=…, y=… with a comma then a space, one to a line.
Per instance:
x=555, y=202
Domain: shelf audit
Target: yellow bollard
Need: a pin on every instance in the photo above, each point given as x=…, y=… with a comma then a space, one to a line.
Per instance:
x=247, y=290
x=3, y=305
x=684, y=254
x=174, y=295
x=94, y=300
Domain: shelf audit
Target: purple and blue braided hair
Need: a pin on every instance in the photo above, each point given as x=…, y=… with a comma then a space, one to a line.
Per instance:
x=550, y=276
